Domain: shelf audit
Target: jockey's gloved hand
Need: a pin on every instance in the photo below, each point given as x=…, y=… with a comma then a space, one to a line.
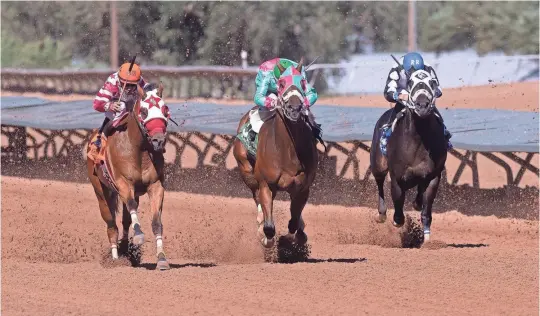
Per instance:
x=115, y=106
x=403, y=96
x=271, y=101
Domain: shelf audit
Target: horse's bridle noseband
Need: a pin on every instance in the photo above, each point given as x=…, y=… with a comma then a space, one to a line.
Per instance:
x=284, y=99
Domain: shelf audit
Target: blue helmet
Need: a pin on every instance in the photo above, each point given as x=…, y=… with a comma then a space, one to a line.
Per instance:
x=412, y=62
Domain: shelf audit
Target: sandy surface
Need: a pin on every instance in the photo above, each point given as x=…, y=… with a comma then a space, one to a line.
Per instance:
x=53, y=241
x=516, y=96
x=54, y=244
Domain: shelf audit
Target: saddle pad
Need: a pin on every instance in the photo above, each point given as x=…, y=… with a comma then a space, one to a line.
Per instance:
x=119, y=120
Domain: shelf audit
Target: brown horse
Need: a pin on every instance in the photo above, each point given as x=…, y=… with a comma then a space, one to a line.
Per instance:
x=133, y=166
x=286, y=160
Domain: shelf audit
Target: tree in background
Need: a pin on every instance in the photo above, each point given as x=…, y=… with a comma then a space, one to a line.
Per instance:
x=511, y=27
x=53, y=34
x=270, y=29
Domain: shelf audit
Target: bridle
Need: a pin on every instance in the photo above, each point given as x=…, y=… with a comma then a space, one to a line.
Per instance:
x=147, y=140
x=420, y=83
x=284, y=101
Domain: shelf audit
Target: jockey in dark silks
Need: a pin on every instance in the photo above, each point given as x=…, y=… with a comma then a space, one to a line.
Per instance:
x=396, y=85
x=267, y=88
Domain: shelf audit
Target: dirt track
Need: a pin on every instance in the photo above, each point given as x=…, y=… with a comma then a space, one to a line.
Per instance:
x=53, y=241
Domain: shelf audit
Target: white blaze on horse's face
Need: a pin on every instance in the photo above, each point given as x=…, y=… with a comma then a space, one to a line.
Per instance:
x=421, y=92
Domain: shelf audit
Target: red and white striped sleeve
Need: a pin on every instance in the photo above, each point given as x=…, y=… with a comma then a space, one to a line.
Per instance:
x=106, y=94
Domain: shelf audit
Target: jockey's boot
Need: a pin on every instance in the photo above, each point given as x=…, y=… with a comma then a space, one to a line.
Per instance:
x=96, y=145
x=252, y=135
x=94, y=148
x=101, y=155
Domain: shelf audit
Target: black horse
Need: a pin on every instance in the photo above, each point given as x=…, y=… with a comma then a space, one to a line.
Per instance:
x=413, y=149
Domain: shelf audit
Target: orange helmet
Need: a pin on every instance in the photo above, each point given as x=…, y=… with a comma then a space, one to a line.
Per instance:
x=132, y=76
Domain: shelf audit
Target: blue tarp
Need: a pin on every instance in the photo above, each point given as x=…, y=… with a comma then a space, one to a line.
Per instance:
x=478, y=130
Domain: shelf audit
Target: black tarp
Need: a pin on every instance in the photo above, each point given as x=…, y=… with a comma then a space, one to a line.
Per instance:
x=473, y=129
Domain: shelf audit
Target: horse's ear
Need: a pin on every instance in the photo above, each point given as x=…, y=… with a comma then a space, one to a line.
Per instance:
x=160, y=89
x=300, y=64
x=280, y=67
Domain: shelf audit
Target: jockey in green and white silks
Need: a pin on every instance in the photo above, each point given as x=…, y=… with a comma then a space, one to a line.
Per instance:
x=267, y=84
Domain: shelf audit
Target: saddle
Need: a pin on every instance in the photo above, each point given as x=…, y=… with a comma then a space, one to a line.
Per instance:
x=389, y=127
x=108, y=129
x=249, y=132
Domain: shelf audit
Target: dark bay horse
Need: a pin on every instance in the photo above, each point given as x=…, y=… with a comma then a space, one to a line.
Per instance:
x=286, y=160
x=133, y=166
x=415, y=152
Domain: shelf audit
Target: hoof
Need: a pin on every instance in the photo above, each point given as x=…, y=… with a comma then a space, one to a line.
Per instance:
x=290, y=237
x=301, y=238
x=269, y=231
x=138, y=240
x=138, y=236
x=162, y=263
x=399, y=221
x=265, y=242
x=268, y=243
x=381, y=218
x=417, y=207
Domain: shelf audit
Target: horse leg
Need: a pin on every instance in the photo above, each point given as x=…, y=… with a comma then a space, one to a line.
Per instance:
x=382, y=204
x=126, y=224
x=246, y=171
x=107, y=207
x=126, y=221
x=418, y=201
x=260, y=214
x=266, y=196
x=156, y=193
x=296, y=223
x=138, y=235
x=429, y=197
x=127, y=194
x=398, y=196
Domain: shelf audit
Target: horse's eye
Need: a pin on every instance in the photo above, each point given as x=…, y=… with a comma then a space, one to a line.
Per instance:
x=144, y=113
x=165, y=111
